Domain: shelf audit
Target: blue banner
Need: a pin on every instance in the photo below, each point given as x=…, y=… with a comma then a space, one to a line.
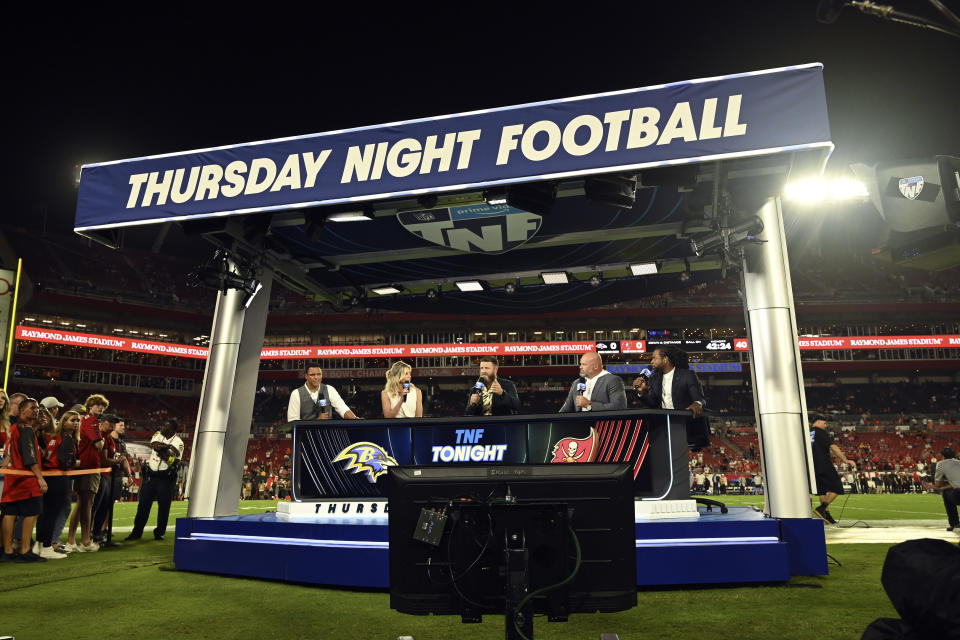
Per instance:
x=695, y=121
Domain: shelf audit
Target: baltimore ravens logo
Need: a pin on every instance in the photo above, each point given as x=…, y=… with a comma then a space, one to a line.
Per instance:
x=367, y=457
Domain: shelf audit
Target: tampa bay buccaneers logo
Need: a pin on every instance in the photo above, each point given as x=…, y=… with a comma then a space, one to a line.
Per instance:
x=576, y=449
x=366, y=457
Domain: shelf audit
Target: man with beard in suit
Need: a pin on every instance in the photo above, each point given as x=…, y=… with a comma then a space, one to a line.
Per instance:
x=673, y=385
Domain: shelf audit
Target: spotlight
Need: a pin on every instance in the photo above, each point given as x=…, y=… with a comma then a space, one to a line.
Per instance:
x=818, y=190
x=535, y=197
x=727, y=239
x=427, y=201
x=313, y=225
x=470, y=285
x=613, y=190
x=644, y=268
x=510, y=288
x=495, y=196
x=388, y=290
x=433, y=295
x=596, y=280
x=555, y=277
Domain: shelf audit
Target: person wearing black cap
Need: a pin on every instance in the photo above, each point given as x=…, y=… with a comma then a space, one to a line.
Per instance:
x=829, y=485
x=947, y=480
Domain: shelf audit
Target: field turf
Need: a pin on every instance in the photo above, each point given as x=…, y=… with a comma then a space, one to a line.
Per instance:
x=135, y=590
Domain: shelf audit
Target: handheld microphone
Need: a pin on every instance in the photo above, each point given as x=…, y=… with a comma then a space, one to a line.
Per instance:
x=406, y=387
x=322, y=401
x=581, y=388
x=478, y=385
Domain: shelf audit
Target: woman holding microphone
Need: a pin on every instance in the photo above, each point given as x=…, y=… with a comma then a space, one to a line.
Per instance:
x=400, y=398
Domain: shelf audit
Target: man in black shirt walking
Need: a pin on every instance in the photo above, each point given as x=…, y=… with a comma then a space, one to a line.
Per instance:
x=829, y=485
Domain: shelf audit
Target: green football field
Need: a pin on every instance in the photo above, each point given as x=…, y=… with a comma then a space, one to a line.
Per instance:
x=135, y=590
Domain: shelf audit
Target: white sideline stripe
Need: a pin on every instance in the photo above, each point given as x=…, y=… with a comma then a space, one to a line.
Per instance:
x=301, y=542
x=659, y=542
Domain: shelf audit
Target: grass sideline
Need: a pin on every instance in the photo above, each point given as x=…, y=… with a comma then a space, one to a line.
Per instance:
x=142, y=591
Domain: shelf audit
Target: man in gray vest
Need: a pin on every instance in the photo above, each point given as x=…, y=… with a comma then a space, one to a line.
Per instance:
x=315, y=400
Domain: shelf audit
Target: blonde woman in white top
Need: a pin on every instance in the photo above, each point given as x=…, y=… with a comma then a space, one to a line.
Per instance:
x=400, y=398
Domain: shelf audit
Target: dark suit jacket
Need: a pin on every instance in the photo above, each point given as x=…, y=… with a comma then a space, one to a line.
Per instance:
x=607, y=395
x=685, y=390
x=505, y=404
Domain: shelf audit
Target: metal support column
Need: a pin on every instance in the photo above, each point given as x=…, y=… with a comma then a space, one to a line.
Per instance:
x=775, y=370
x=226, y=402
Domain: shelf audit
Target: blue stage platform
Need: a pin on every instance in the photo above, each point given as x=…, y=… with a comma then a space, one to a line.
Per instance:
x=740, y=547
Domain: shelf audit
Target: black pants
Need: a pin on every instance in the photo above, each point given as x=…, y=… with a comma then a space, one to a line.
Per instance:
x=58, y=493
x=102, y=504
x=157, y=487
x=951, y=498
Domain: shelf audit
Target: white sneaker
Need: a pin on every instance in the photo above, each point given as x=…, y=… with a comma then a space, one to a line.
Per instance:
x=37, y=547
x=93, y=546
x=50, y=554
x=70, y=548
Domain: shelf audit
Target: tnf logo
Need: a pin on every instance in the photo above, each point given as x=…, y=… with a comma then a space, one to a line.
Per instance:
x=911, y=187
x=473, y=229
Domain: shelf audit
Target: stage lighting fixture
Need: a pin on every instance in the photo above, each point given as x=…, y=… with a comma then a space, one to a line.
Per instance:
x=427, y=200
x=644, y=268
x=510, y=288
x=535, y=197
x=614, y=190
x=313, y=225
x=495, y=196
x=433, y=295
x=596, y=280
x=727, y=239
x=470, y=285
x=388, y=290
x=555, y=277
x=349, y=213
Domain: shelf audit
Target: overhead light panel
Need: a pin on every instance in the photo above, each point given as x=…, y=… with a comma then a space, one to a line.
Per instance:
x=495, y=196
x=387, y=291
x=644, y=268
x=350, y=213
x=555, y=277
x=470, y=285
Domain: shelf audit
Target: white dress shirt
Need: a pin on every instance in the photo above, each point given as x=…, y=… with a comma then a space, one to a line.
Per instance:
x=156, y=463
x=668, y=390
x=591, y=384
x=293, y=408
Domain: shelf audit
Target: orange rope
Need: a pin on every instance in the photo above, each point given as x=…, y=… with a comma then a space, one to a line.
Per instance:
x=55, y=472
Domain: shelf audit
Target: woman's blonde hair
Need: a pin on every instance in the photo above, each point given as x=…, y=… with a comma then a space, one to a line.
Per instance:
x=5, y=412
x=394, y=373
x=63, y=421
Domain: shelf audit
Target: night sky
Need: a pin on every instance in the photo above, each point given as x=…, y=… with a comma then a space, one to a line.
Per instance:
x=95, y=87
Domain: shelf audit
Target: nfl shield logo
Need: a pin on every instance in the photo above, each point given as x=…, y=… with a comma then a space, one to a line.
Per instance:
x=911, y=187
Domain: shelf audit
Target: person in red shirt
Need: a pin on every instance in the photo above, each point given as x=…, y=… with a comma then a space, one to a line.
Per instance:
x=60, y=454
x=91, y=457
x=22, y=493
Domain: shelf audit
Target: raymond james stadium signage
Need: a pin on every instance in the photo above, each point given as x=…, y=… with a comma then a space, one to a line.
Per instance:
x=694, y=121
